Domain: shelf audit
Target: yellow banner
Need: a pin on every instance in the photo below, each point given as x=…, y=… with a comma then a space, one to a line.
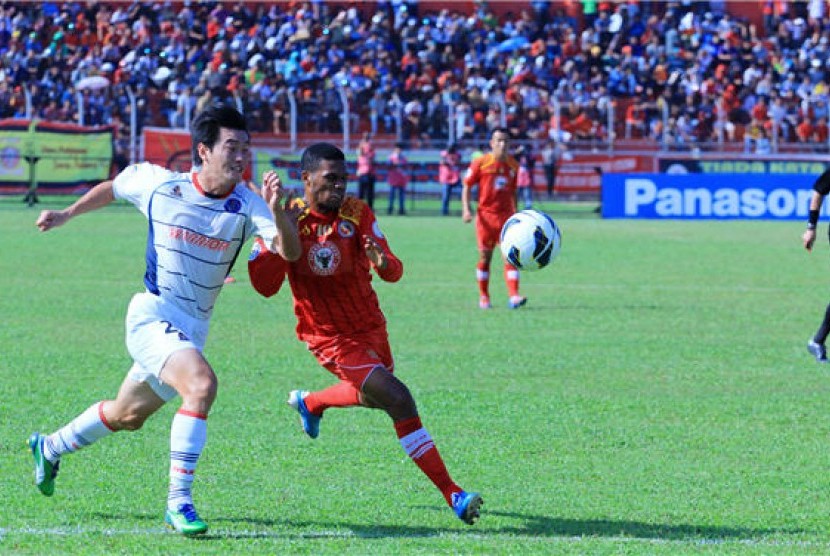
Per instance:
x=64, y=156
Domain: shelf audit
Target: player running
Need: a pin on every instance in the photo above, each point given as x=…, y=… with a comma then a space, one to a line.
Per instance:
x=339, y=317
x=198, y=224
x=816, y=345
x=495, y=174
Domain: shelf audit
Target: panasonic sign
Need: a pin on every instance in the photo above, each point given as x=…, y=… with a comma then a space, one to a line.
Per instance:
x=706, y=196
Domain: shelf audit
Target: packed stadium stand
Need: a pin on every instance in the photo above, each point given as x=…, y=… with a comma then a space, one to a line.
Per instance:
x=710, y=75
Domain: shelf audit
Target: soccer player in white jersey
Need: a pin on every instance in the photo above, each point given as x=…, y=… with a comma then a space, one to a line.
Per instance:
x=199, y=221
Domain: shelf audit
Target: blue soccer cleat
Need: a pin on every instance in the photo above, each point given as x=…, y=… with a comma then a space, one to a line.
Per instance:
x=45, y=470
x=309, y=421
x=516, y=301
x=466, y=506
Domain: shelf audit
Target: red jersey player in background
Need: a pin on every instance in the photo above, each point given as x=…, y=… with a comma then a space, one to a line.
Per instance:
x=339, y=317
x=495, y=173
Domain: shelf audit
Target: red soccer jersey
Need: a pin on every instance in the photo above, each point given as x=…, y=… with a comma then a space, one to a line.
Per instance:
x=496, y=183
x=332, y=280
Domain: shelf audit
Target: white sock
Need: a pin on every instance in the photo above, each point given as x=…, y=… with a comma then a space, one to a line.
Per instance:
x=188, y=435
x=87, y=428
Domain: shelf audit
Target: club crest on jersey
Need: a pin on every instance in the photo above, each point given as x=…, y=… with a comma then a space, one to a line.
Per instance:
x=324, y=258
x=176, y=191
x=345, y=229
x=233, y=205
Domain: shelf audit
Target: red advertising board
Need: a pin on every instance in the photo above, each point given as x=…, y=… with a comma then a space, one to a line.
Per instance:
x=576, y=174
x=167, y=147
x=581, y=174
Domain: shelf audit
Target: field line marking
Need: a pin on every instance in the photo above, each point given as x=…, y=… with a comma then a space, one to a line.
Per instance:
x=333, y=534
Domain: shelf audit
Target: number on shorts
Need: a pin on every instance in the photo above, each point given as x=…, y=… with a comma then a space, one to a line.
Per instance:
x=173, y=330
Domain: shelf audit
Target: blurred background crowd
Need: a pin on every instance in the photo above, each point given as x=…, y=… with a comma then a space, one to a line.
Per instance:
x=687, y=74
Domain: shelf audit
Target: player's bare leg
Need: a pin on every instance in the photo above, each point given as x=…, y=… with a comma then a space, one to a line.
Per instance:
x=483, y=278
x=384, y=390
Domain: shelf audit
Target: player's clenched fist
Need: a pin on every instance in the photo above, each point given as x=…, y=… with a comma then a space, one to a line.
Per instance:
x=49, y=219
x=808, y=238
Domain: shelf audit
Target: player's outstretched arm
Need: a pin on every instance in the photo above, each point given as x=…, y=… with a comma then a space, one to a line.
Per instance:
x=99, y=196
x=287, y=241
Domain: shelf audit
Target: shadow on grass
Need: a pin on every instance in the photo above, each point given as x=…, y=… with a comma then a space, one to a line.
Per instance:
x=545, y=526
x=530, y=526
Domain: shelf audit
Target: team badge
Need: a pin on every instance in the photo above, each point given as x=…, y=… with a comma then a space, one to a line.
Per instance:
x=376, y=230
x=176, y=191
x=233, y=205
x=345, y=229
x=324, y=258
x=500, y=182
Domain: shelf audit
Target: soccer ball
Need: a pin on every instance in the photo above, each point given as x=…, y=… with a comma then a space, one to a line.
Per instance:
x=530, y=240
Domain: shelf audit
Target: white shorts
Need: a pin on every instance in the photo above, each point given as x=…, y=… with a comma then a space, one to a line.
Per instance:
x=155, y=330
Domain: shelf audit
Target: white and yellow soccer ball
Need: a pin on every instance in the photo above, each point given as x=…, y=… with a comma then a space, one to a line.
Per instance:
x=530, y=240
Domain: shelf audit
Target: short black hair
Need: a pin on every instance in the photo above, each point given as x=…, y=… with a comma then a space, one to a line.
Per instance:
x=319, y=151
x=206, y=125
x=501, y=130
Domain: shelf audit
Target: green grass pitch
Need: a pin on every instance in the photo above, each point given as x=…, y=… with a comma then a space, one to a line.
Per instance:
x=654, y=397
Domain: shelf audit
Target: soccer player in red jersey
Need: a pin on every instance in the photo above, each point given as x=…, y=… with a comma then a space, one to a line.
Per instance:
x=495, y=174
x=339, y=317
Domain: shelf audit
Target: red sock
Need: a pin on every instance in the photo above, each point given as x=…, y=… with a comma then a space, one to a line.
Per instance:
x=341, y=394
x=483, y=277
x=418, y=445
x=511, y=278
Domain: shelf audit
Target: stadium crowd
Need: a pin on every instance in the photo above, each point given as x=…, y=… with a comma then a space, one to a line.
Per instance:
x=682, y=73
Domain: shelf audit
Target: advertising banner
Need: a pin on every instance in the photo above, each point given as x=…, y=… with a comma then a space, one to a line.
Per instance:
x=60, y=158
x=167, y=147
x=422, y=169
x=718, y=196
x=583, y=173
x=746, y=165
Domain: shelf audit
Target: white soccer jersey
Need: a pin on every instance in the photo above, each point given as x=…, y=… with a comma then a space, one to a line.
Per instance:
x=193, y=239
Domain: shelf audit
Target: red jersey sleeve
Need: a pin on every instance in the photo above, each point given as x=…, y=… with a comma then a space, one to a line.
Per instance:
x=473, y=174
x=369, y=227
x=266, y=269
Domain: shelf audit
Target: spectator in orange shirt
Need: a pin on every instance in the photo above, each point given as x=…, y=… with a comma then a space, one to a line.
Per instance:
x=804, y=131
x=759, y=111
x=634, y=118
x=821, y=131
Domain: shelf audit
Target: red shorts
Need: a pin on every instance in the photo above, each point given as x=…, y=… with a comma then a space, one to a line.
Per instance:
x=352, y=358
x=488, y=229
